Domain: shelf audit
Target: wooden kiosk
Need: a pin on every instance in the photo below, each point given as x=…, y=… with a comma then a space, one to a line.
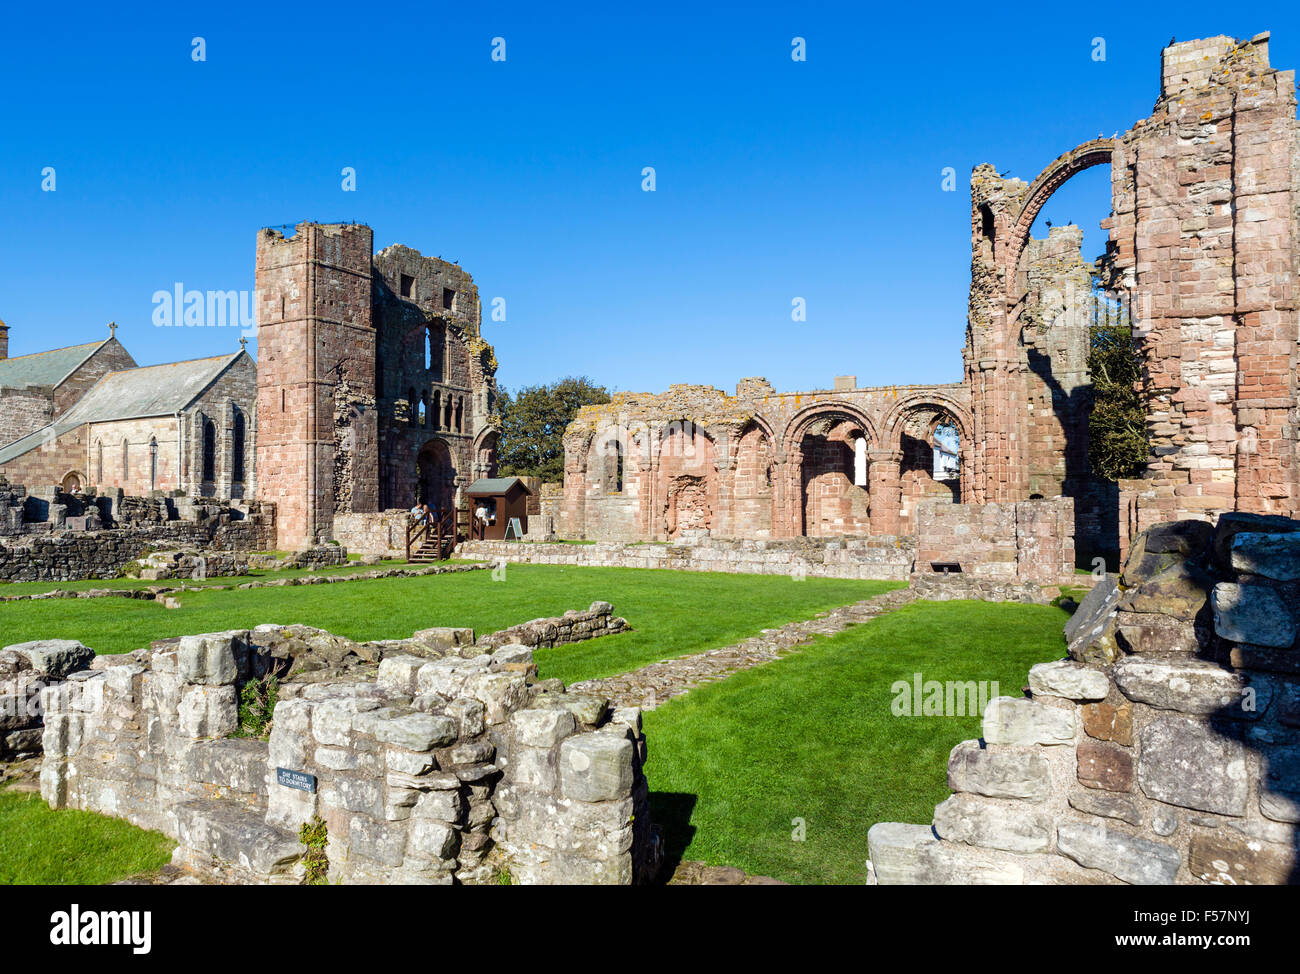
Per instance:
x=505, y=499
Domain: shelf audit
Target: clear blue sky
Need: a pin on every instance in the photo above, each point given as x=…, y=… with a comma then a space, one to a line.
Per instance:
x=775, y=179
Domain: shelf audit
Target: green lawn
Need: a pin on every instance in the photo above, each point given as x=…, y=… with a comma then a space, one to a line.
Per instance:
x=671, y=612
x=812, y=736
x=43, y=847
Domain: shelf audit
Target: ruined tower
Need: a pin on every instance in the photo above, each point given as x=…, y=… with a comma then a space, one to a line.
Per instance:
x=316, y=376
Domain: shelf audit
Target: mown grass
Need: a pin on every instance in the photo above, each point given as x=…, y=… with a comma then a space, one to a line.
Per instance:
x=39, y=846
x=671, y=613
x=733, y=764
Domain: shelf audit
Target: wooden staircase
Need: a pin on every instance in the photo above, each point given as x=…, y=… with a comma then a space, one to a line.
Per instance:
x=433, y=540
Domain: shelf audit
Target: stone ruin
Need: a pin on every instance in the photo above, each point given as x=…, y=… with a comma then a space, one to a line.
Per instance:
x=434, y=759
x=48, y=534
x=1164, y=749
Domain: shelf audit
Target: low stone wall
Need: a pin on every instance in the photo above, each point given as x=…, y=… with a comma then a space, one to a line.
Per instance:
x=880, y=558
x=382, y=533
x=940, y=587
x=1165, y=749
x=572, y=627
x=425, y=765
x=25, y=670
x=1032, y=541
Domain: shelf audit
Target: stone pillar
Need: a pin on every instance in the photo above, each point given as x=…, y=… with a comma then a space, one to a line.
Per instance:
x=886, y=491
x=724, y=522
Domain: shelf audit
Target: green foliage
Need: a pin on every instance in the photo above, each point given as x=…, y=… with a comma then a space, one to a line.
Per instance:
x=315, y=836
x=503, y=878
x=256, y=706
x=532, y=425
x=1117, y=436
x=813, y=736
x=40, y=846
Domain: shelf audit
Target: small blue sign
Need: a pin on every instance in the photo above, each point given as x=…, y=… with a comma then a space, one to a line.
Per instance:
x=296, y=779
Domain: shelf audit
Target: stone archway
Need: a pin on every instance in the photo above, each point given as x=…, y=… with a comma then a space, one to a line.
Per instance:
x=436, y=476
x=829, y=473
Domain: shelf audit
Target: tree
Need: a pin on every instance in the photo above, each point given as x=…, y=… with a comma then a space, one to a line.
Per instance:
x=532, y=424
x=1117, y=434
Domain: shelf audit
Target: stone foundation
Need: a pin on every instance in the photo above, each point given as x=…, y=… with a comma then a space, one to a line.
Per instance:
x=572, y=627
x=1165, y=749
x=428, y=761
x=382, y=534
x=1032, y=541
x=878, y=558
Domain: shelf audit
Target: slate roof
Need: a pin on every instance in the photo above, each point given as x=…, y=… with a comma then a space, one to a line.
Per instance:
x=494, y=485
x=46, y=368
x=154, y=390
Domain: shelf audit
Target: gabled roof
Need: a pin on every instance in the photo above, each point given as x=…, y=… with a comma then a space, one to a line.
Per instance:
x=485, y=486
x=154, y=390
x=46, y=368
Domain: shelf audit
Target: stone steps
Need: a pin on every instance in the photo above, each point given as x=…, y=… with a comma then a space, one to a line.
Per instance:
x=234, y=841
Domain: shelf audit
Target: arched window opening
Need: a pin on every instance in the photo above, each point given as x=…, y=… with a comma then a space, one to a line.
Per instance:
x=126, y=460
x=237, y=458
x=460, y=414
x=446, y=423
x=99, y=461
x=947, y=451
x=860, y=462
x=209, y=451
x=436, y=412
x=422, y=418
x=153, y=463
x=412, y=405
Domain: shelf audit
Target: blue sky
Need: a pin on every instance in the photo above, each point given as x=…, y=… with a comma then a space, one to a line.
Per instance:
x=774, y=179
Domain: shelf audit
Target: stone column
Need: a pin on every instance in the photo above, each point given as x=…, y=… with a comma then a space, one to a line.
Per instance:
x=883, y=476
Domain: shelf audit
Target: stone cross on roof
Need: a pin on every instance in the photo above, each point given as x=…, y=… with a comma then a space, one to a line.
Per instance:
x=112, y=329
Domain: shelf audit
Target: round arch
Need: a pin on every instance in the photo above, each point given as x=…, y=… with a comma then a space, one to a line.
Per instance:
x=898, y=413
x=1094, y=152
x=798, y=425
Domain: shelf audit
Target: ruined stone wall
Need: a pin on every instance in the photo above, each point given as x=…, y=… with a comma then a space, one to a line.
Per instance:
x=437, y=377
x=1205, y=233
x=382, y=533
x=427, y=762
x=1203, y=248
x=1032, y=541
x=574, y=626
x=1165, y=749
x=887, y=558
x=756, y=464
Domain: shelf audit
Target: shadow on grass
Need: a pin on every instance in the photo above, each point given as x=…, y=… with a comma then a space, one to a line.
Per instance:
x=672, y=811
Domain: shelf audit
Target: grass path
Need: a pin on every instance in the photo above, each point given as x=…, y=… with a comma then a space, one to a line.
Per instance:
x=733, y=764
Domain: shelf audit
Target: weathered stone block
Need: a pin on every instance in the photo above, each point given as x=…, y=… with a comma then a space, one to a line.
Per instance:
x=596, y=767
x=417, y=732
x=993, y=824
x=1274, y=556
x=1191, y=686
x=209, y=659
x=542, y=728
x=904, y=855
x=1106, y=804
x=1224, y=858
x=1106, y=722
x=1010, y=720
x=1133, y=859
x=1185, y=762
x=209, y=711
x=1069, y=680
x=1252, y=614
x=1104, y=766
x=999, y=773
x=54, y=658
